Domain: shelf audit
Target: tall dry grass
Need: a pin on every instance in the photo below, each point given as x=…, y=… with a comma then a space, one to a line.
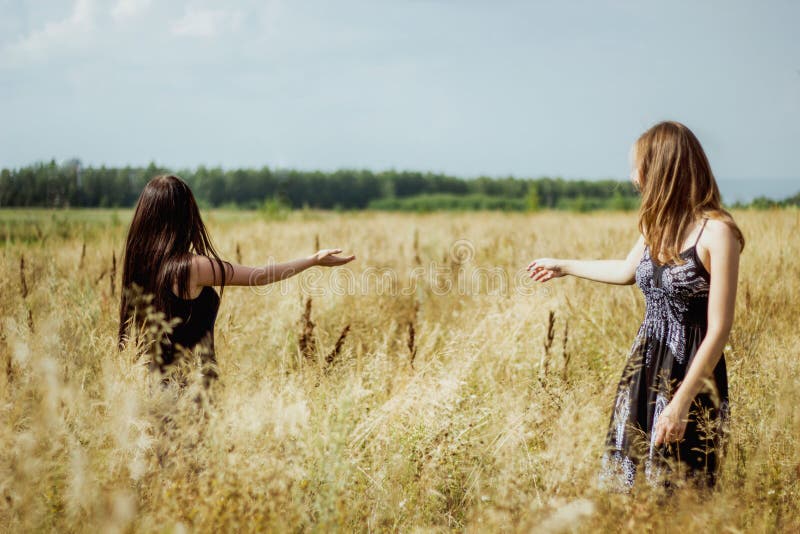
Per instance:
x=379, y=410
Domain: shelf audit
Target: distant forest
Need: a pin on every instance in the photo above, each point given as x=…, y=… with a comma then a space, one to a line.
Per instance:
x=72, y=185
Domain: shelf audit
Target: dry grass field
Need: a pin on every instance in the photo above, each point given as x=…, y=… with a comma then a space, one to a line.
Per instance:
x=462, y=397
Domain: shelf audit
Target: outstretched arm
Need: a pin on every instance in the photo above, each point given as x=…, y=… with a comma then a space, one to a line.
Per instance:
x=206, y=272
x=621, y=272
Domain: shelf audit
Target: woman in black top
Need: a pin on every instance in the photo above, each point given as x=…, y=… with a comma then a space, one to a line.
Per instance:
x=170, y=266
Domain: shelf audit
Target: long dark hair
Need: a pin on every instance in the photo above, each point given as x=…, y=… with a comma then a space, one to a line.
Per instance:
x=165, y=232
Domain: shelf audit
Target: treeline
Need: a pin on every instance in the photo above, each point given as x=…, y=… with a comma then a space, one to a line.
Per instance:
x=72, y=185
x=767, y=203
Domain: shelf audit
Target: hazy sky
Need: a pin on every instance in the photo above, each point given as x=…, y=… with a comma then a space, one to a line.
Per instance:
x=523, y=88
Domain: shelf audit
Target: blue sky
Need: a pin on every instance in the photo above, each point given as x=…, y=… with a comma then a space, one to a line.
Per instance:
x=469, y=88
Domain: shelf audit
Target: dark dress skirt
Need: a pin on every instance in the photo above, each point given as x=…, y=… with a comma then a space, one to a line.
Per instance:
x=675, y=323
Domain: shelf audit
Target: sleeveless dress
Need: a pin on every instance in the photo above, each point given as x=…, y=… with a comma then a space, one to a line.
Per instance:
x=195, y=331
x=675, y=323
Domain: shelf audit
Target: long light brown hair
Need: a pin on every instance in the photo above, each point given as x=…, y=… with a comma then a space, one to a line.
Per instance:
x=677, y=187
x=165, y=232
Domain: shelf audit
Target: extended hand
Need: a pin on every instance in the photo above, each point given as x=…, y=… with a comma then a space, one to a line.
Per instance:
x=329, y=258
x=671, y=423
x=545, y=269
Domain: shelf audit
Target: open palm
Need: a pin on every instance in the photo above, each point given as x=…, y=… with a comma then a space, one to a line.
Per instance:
x=330, y=258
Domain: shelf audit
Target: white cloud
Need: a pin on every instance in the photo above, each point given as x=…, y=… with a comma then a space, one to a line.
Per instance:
x=206, y=22
x=125, y=9
x=66, y=33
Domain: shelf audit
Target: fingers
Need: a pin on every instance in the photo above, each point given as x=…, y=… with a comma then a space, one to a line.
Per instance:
x=668, y=432
x=540, y=272
x=677, y=433
x=329, y=259
x=538, y=263
x=663, y=428
x=659, y=439
x=328, y=253
x=342, y=260
x=542, y=275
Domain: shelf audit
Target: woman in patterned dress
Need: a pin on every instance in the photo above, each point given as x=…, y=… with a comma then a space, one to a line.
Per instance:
x=671, y=407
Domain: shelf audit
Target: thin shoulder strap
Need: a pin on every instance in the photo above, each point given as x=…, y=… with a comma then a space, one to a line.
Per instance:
x=696, y=241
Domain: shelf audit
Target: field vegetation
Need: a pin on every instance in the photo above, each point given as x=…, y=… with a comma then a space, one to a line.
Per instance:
x=427, y=386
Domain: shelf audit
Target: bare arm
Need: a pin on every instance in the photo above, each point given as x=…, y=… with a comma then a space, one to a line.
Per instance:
x=621, y=272
x=205, y=272
x=724, y=251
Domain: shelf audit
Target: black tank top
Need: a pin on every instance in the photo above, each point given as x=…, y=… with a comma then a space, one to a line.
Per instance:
x=196, y=327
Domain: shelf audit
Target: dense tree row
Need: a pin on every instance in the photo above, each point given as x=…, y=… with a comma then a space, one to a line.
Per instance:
x=767, y=203
x=70, y=184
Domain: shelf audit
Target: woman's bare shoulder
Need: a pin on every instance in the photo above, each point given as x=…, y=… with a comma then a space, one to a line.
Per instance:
x=718, y=234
